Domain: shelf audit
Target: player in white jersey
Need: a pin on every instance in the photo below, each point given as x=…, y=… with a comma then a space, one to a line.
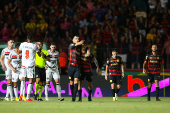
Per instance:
x=8, y=72
x=14, y=62
x=28, y=50
x=53, y=70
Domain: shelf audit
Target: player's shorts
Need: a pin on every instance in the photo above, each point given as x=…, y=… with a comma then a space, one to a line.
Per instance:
x=74, y=72
x=88, y=75
x=152, y=77
x=115, y=79
x=52, y=72
x=8, y=73
x=16, y=76
x=40, y=73
x=28, y=72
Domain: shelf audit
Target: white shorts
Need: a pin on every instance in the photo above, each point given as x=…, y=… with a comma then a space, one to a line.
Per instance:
x=52, y=73
x=124, y=57
x=28, y=72
x=16, y=76
x=8, y=74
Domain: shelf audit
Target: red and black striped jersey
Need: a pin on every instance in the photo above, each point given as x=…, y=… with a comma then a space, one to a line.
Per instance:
x=153, y=62
x=86, y=62
x=114, y=65
x=74, y=55
x=136, y=47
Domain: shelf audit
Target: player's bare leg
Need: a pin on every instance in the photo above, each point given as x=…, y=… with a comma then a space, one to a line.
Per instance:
x=10, y=89
x=157, y=90
x=90, y=90
x=113, y=91
x=29, y=89
x=58, y=89
x=76, y=80
x=36, y=88
x=72, y=87
x=80, y=90
x=117, y=91
x=149, y=90
x=133, y=65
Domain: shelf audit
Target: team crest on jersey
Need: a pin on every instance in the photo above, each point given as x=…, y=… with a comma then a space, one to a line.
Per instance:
x=107, y=61
x=117, y=60
x=158, y=58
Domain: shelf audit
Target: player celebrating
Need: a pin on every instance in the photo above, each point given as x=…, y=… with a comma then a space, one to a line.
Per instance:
x=14, y=62
x=53, y=70
x=114, y=65
x=8, y=72
x=154, y=67
x=74, y=65
x=40, y=74
x=86, y=59
x=28, y=50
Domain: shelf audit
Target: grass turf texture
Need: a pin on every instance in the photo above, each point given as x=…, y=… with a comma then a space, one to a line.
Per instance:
x=98, y=105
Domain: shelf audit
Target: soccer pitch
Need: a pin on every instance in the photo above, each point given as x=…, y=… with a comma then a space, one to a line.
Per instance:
x=98, y=105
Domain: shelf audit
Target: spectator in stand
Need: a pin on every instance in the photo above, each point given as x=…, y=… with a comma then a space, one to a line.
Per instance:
x=90, y=5
x=14, y=32
x=5, y=33
x=159, y=45
x=32, y=26
x=64, y=26
x=152, y=4
x=167, y=48
x=43, y=25
x=38, y=35
x=98, y=13
x=151, y=36
x=142, y=25
x=148, y=46
x=82, y=34
x=165, y=25
x=136, y=46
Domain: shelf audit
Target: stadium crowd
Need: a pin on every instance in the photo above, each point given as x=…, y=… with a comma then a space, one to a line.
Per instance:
x=131, y=26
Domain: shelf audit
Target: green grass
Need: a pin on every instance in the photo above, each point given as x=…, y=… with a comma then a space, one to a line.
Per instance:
x=98, y=105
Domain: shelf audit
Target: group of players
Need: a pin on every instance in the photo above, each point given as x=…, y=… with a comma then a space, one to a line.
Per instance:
x=28, y=59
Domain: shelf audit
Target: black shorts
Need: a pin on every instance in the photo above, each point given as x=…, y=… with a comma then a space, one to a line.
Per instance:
x=74, y=72
x=115, y=79
x=40, y=73
x=152, y=77
x=88, y=75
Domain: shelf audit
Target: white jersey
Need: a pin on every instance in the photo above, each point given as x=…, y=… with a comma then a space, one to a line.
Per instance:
x=5, y=52
x=28, y=54
x=15, y=59
x=53, y=59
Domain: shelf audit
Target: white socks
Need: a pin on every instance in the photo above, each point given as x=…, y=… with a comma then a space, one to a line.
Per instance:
x=29, y=90
x=7, y=92
x=46, y=90
x=15, y=91
x=58, y=89
x=10, y=90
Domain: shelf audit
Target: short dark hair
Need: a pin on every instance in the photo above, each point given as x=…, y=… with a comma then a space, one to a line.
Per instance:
x=40, y=41
x=53, y=43
x=30, y=36
x=114, y=50
x=17, y=45
x=10, y=39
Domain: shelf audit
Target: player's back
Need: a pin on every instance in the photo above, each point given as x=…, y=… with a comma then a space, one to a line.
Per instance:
x=28, y=53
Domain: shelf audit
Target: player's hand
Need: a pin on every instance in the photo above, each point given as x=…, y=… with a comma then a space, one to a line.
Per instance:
x=123, y=75
x=97, y=70
x=3, y=68
x=82, y=41
x=144, y=71
x=14, y=70
x=106, y=77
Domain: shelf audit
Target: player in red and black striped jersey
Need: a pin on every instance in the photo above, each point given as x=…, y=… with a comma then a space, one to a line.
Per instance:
x=74, y=65
x=86, y=70
x=153, y=60
x=114, y=65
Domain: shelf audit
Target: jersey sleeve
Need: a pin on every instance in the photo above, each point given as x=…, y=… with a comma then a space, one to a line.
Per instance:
x=72, y=46
x=20, y=47
x=10, y=56
x=108, y=61
x=146, y=58
x=35, y=48
x=3, y=52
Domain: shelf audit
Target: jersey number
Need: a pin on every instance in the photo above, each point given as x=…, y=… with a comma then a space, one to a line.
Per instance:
x=27, y=54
